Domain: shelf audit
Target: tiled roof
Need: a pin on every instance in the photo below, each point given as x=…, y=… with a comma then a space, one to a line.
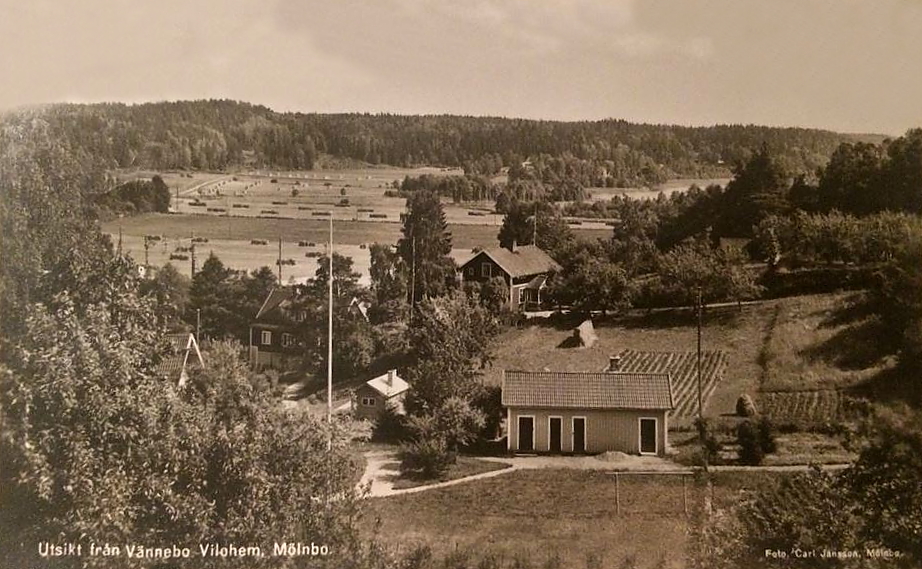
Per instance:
x=182, y=353
x=527, y=260
x=395, y=386
x=587, y=390
x=275, y=298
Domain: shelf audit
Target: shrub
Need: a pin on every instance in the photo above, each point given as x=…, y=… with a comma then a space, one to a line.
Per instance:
x=390, y=427
x=747, y=436
x=745, y=406
x=767, y=435
x=711, y=446
x=429, y=456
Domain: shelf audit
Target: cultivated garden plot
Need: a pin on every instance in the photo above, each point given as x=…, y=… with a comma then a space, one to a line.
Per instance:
x=682, y=367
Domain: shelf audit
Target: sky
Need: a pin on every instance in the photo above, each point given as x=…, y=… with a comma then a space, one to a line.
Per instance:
x=844, y=65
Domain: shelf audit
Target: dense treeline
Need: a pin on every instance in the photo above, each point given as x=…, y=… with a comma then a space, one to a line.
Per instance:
x=136, y=196
x=218, y=134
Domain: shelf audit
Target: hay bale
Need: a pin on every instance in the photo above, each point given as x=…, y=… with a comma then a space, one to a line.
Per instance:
x=745, y=406
x=585, y=335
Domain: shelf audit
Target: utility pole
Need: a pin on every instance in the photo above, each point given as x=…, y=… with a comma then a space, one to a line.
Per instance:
x=120, y=240
x=534, y=227
x=413, y=277
x=280, y=260
x=192, y=251
x=198, y=323
x=698, y=303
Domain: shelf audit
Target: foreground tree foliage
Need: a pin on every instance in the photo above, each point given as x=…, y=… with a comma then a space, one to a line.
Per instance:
x=98, y=448
x=872, y=506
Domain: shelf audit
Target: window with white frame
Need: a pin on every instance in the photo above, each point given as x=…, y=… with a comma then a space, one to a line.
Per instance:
x=265, y=338
x=486, y=270
x=368, y=401
x=287, y=340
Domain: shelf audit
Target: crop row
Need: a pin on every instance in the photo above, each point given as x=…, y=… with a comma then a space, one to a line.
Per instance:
x=683, y=369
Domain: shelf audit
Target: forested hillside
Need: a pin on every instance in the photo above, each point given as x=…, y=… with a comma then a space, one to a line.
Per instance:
x=219, y=134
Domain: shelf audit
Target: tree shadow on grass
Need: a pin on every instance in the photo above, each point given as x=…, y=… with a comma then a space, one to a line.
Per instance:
x=861, y=345
x=894, y=384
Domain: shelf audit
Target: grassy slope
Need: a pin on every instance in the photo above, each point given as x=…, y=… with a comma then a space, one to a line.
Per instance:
x=737, y=334
x=801, y=343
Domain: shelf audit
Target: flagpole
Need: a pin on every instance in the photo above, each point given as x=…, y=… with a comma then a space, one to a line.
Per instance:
x=330, y=341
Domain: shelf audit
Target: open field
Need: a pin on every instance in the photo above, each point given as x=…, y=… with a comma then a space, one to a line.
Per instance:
x=668, y=188
x=230, y=239
x=571, y=514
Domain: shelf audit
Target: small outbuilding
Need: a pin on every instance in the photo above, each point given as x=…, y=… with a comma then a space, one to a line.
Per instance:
x=373, y=396
x=585, y=412
x=182, y=356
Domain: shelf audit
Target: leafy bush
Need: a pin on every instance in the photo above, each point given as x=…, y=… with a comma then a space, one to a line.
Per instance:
x=429, y=456
x=767, y=435
x=390, y=427
x=711, y=446
x=747, y=436
x=756, y=439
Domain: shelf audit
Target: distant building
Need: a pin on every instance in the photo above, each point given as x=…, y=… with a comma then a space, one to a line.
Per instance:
x=273, y=341
x=587, y=412
x=183, y=356
x=376, y=394
x=524, y=269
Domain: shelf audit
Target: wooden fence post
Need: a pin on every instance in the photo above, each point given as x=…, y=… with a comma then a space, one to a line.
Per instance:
x=685, y=492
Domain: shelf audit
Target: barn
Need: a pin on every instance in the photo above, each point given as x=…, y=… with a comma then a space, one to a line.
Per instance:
x=587, y=412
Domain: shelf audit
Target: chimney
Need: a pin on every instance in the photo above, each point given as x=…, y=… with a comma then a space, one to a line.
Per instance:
x=515, y=245
x=614, y=363
x=390, y=377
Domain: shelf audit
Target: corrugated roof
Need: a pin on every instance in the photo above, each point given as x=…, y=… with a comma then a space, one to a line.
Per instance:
x=388, y=388
x=275, y=298
x=587, y=390
x=526, y=260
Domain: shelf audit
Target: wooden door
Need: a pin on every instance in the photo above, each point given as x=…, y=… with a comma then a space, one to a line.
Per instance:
x=579, y=434
x=555, y=427
x=526, y=434
x=648, y=436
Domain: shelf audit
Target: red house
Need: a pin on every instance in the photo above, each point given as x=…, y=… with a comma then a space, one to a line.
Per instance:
x=273, y=342
x=524, y=269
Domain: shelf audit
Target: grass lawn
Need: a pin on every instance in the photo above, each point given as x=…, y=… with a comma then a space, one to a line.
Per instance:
x=568, y=514
x=464, y=467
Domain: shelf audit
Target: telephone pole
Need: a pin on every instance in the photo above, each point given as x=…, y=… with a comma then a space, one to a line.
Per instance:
x=280, y=260
x=701, y=433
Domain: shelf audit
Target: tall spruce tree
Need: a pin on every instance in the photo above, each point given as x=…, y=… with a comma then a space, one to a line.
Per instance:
x=425, y=247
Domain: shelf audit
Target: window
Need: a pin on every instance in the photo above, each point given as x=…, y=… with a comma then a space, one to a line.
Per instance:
x=287, y=340
x=368, y=401
x=300, y=316
x=266, y=338
x=523, y=292
x=486, y=270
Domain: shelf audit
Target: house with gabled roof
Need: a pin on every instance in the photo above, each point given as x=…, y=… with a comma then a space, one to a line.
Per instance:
x=524, y=268
x=182, y=357
x=273, y=341
x=376, y=394
x=587, y=412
